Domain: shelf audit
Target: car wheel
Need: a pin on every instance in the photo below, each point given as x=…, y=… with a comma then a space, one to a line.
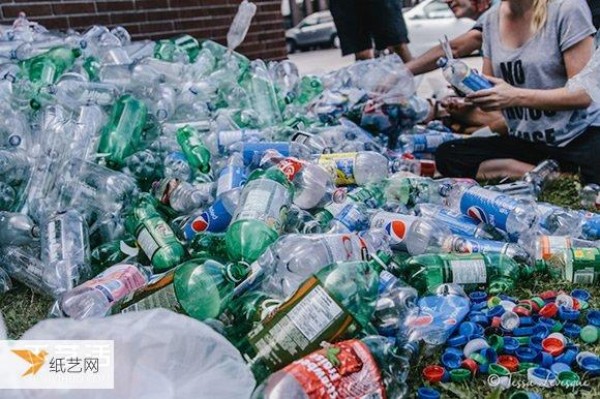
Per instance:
x=335, y=41
x=290, y=46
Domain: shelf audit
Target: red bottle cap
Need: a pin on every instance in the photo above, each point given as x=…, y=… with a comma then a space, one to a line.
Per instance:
x=549, y=310
x=576, y=304
x=470, y=365
x=433, y=374
x=522, y=310
x=496, y=321
x=534, y=306
x=548, y=295
x=508, y=361
x=553, y=346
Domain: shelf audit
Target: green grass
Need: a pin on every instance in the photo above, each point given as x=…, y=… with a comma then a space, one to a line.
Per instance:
x=22, y=309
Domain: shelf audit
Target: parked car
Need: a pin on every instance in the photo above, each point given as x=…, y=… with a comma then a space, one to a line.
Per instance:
x=317, y=29
x=429, y=21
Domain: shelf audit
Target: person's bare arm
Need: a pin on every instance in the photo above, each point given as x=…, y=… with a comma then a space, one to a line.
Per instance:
x=503, y=95
x=462, y=46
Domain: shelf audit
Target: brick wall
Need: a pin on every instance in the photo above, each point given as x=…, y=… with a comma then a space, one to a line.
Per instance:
x=157, y=19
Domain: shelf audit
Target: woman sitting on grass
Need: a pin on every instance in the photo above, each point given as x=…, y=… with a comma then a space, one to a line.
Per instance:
x=531, y=48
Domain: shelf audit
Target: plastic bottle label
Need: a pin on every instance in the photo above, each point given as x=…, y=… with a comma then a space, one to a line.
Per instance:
x=487, y=206
x=386, y=280
x=458, y=223
x=366, y=196
x=265, y=200
x=164, y=298
x=429, y=142
x=343, y=370
x=300, y=324
x=255, y=151
x=395, y=225
x=351, y=217
x=591, y=226
x=345, y=247
x=117, y=281
x=154, y=235
x=227, y=138
x=340, y=165
x=215, y=219
x=230, y=178
x=551, y=245
x=475, y=82
x=301, y=137
x=584, y=267
x=470, y=271
x=471, y=245
x=290, y=167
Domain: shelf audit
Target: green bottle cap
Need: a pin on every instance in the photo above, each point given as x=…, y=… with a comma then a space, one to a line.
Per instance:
x=520, y=395
x=493, y=301
x=496, y=369
x=568, y=379
x=496, y=342
x=583, y=305
x=589, y=334
x=557, y=326
x=526, y=366
x=522, y=340
x=460, y=375
x=539, y=301
x=479, y=358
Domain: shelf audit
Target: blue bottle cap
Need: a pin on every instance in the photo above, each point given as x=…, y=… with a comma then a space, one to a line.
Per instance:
x=571, y=346
x=571, y=330
x=505, y=297
x=526, y=354
x=490, y=354
x=479, y=318
x=546, y=359
x=557, y=368
x=478, y=296
x=581, y=295
x=526, y=321
x=541, y=377
x=446, y=376
x=478, y=307
x=523, y=331
x=467, y=328
x=455, y=351
x=567, y=357
x=427, y=393
x=451, y=360
x=591, y=365
x=567, y=314
x=510, y=345
x=541, y=330
x=593, y=317
x=495, y=311
x=545, y=321
x=457, y=340
x=479, y=331
x=535, y=342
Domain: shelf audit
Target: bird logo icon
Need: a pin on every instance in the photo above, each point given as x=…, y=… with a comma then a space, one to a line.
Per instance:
x=36, y=361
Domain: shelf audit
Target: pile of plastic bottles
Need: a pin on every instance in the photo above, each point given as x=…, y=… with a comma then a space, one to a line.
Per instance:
x=287, y=212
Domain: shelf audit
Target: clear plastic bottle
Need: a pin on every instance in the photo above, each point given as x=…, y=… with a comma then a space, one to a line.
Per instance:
x=17, y=229
x=590, y=196
x=463, y=78
x=542, y=173
x=355, y=167
x=457, y=222
x=181, y=196
x=240, y=25
x=558, y=221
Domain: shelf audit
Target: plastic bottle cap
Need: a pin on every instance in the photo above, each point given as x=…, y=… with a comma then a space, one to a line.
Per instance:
x=522, y=340
x=451, y=360
x=553, y=346
x=522, y=310
x=457, y=340
x=567, y=314
x=538, y=301
x=571, y=330
x=523, y=331
x=524, y=366
x=525, y=395
x=470, y=364
x=495, y=311
x=475, y=345
x=541, y=330
x=591, y=365
x=567, y=357
x=460, y=375
x=546, y=295
x=580, y=294
x=498, y=369
x=507, y=305
x=478, y=306
x=525, y=354
x=467, y=328
x=510, y=345
x=576, y=304
x=593, y=317
x=526, y=321
x=496, y=342
x=479, y=318
x=541, y=377
x=427, y=393
x=568, y=379
x=509, y=320
x=557, y=368
x=479, y=358
x=546, y=359
x=557, y=326
x=496, y=322
x=493, y=301
x=433, y=374
x=490, y=355
x=489, y=331
x=478, y=296
x=558, y=336
x=582, y=355
x=508, y=361
x=536, y=342
x=564, y=300
x=549, y=310
x=583, y=305
x=589, y=334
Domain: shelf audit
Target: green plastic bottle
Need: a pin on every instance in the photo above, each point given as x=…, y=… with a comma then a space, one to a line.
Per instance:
x=172, y=49
x=154, y=236
x=309, y=88
x=200, y=288
x=497, y=272
x=209, y=244
x=243, y=313
x=121, y=135
x=577, y=265
x=46, y=68
x=196, y=153
x=259, y=218
x=263, y=98
x=335, y=303
x=113, y=252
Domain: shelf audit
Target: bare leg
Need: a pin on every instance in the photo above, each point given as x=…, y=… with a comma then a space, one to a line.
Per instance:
x=364, y=55
x=499, y=168
x=402, y=50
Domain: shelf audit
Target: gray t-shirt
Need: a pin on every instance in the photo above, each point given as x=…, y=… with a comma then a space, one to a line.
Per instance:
x=539, y=64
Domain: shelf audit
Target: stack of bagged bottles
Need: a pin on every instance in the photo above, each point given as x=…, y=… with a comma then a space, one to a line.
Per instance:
x=287, y=212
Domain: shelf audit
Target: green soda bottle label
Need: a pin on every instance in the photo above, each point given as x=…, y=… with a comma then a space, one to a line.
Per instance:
x=153, y=236
x=468, y=271
x=265, y=200
x=299, y=325
x=158, y=293
x=585, y=266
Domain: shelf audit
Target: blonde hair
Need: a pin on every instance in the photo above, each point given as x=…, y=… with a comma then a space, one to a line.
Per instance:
x=540, y=14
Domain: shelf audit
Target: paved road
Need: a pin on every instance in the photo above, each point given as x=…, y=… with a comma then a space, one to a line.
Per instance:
x=322, y=61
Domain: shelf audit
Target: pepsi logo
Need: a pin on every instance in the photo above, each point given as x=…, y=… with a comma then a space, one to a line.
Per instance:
x=421, y=320
x=396, y=229
x=200, y=223
x=477, y=213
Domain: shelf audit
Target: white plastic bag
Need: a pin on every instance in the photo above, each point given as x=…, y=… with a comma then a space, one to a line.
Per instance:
x=158, y=355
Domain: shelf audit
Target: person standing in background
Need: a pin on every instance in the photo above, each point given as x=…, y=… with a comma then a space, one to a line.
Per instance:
x=359, y=23
x=595, y=8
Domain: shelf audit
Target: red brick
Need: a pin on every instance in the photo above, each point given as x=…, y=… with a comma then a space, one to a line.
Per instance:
x=54, y=23
x=73, y=8
x=151, y=4
x=150, y=27
x=124, y=17
x=111, y=6
x=11, y=11
x=162, y=15
x=85, y=21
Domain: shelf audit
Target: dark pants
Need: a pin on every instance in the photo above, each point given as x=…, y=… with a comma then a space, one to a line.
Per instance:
x=360, y=22
x=461, y=158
